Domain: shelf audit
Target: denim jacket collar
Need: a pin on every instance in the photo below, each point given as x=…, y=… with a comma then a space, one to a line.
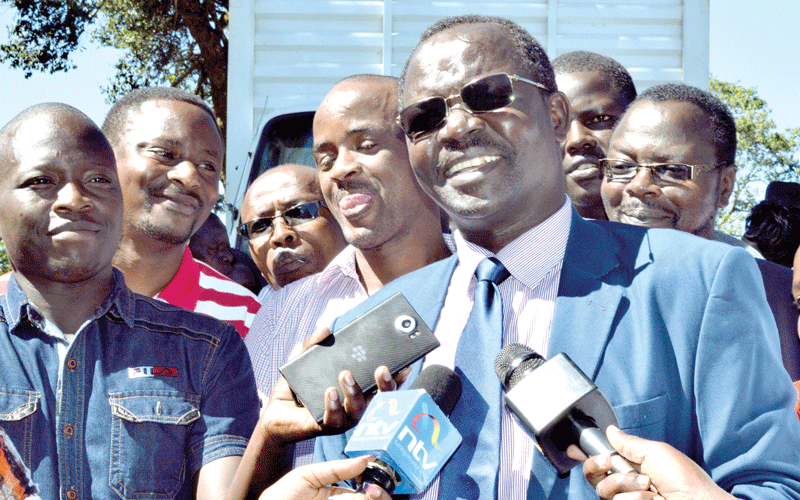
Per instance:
x=119, y=302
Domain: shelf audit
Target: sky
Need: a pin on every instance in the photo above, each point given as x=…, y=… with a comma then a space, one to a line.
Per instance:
x=753, y=43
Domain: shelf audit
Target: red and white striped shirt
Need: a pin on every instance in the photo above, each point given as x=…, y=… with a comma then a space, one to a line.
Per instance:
x=199, y=288
x=534, y=261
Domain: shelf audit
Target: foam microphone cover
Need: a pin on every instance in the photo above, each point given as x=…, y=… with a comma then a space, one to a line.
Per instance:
x=442, y=384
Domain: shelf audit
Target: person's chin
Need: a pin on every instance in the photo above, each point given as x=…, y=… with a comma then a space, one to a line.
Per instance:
x=290, y=277
x=648, y=220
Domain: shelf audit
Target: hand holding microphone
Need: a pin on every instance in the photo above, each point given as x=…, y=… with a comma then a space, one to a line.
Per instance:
x=408, y=432
x=556, y=402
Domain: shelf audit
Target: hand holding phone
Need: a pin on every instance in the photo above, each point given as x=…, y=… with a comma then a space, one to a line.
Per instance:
x=391, y=334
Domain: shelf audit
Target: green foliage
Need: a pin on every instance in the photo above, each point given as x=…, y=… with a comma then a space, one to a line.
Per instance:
x=5, y=264
x=763, y=154
x=47, y=31
x=179, y=43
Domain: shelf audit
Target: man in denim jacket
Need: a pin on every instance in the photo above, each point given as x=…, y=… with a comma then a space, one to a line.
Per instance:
x=103, y=393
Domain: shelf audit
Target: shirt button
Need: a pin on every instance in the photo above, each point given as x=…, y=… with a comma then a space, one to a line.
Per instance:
x=72, y=494
x=72, y=363
x=69, y=431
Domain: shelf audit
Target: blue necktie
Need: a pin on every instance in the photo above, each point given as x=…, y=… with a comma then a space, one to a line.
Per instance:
x=472, y=471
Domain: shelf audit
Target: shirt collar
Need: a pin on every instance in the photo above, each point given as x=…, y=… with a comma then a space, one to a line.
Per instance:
x=119, y=302
x=343, y=264
x=531, y=255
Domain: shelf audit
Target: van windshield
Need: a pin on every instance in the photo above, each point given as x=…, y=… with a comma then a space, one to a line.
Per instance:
x=285, y=139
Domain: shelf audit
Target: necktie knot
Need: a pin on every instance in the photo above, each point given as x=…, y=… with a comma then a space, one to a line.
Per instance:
x=491, y=269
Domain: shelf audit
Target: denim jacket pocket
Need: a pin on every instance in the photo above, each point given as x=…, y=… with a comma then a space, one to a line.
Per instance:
x=17, y=409
x=148, y=443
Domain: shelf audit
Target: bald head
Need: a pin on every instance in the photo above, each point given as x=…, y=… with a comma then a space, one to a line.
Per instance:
x=304, y=240
x=37, y=120
x=302, y=177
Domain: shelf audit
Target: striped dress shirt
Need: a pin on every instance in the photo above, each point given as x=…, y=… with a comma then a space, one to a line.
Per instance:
x=534, y=261
x=294, y=312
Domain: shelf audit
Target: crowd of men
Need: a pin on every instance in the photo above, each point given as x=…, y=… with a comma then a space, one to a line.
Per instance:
x=141, y=351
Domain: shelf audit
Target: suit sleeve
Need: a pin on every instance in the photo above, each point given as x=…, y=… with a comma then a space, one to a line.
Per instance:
x=749, y=432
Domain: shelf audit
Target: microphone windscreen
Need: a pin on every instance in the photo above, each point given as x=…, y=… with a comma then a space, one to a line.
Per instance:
x=442, y=384
x=514, y=361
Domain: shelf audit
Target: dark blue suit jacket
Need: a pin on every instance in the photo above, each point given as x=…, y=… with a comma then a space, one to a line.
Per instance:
x=677, y=333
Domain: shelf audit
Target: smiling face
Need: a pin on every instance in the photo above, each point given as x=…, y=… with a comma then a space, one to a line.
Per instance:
x=169, y=157
x=289, y=253
x=496, y=174
x=60, y=200
x=596, y=108
x=664, y=132
x=363, y=164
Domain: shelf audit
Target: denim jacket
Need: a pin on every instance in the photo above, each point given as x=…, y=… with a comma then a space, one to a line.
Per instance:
x=149, y=393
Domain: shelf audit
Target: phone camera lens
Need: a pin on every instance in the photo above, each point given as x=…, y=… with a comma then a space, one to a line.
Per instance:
x=405, y=323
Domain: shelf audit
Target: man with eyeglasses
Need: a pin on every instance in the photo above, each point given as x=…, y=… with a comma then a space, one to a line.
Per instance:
x=674, y=330
x=290, y=231
x=169, y=155
x=598, y=89
x=671, y=164
x=686, y=138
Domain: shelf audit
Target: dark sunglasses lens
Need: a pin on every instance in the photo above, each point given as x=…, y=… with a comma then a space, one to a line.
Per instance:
x=423, y=117
x=488, y=94
x=260, y=226
x=303, y=212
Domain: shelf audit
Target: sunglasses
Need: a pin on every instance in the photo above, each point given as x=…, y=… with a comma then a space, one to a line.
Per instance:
x=625, y=171
x=488, y=93
x=295, y=216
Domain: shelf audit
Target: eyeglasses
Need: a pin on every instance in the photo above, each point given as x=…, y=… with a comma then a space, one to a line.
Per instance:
x=295, y=216
x=488, y=93
x=625, y=171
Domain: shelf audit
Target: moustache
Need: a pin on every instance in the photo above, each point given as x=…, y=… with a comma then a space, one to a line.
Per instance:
x=636, y=204
x=173, y=189
x=457, y=147
x=351, y=186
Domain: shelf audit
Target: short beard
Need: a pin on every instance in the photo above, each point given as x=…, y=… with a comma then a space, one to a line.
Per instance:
x=159, y=234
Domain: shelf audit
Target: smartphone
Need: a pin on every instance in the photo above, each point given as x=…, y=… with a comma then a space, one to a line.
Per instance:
x=390, y=334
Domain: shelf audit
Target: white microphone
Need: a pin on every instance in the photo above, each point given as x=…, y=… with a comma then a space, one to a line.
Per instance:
x=559, y=405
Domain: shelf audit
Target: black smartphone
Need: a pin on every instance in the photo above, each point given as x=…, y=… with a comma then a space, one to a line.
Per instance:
x=390, y=334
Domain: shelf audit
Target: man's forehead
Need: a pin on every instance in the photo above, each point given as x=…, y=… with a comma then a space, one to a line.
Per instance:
x=45, y=136
x=282, y=190
x=450, y=59
x=586, y=85
x=669, y=118
x=676, y=126
x=367, y=101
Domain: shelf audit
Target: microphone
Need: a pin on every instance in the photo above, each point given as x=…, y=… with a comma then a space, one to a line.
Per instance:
x=408, y=432
x=559, y=405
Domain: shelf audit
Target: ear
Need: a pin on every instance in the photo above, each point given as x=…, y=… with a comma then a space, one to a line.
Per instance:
x=560, y=112
x=726, y=183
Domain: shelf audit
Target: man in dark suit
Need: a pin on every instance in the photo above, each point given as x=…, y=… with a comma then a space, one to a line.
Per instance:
x=657, y=319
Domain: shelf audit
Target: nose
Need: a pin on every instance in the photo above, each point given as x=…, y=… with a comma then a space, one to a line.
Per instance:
x=643, y=184
x=345, y=166
x=185, y=173
x=579, y=139
x=71, y=198
x=282, y=234
x=459, y=124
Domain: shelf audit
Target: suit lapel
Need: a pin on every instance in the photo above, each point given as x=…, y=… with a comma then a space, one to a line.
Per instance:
x=589, y=295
